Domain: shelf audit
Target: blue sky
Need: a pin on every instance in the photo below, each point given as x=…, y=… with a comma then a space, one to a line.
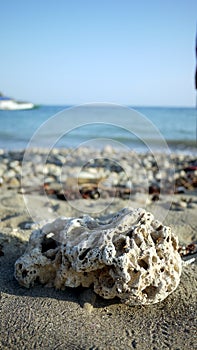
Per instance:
x=71, y=52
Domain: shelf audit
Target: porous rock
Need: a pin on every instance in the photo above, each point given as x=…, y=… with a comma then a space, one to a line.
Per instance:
x=129, y=255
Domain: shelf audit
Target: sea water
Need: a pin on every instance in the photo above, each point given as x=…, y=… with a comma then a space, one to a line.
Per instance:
x=177, y=126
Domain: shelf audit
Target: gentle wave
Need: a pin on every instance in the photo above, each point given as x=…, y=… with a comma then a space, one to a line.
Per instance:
x=177, y=127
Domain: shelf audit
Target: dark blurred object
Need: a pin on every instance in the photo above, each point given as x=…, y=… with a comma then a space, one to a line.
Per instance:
x=1, y=250
x=154, y=189
x=155, y=198
x=196, y=64
x=189, y=251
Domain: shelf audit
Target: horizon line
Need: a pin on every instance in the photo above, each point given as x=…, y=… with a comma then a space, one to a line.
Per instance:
x=113, y=103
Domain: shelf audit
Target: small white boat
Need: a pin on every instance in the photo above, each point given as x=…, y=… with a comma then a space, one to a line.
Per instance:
x=7, y=103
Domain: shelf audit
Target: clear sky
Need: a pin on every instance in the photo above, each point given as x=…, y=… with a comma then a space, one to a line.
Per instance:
x=138, y=52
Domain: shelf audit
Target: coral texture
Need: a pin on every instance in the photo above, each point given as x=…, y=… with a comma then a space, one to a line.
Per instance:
x=129, y=255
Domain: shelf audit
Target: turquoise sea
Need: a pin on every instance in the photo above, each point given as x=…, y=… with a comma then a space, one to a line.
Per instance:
x=76, y=125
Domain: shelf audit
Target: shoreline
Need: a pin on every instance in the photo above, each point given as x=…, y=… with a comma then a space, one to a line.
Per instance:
x=45, y=318
x=173, y=147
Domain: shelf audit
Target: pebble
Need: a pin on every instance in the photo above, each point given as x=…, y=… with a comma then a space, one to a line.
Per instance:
x=3, y=169
x=13, y=182
x=182, y=204
x=180, y=189
x=10, y=173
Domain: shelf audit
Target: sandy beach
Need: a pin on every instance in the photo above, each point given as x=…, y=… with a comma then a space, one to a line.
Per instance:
x=45, y=318
x=98, y=175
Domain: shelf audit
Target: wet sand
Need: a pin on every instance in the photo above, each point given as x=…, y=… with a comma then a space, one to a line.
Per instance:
x=45, y=318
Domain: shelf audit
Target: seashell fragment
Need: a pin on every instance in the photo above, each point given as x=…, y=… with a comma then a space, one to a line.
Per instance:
x=130, y=255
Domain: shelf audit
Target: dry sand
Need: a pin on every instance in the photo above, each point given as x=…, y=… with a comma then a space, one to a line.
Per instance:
x=43, y=318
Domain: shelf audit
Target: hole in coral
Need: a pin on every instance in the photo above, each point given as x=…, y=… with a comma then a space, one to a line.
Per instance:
x=154, y=259
x=143, y=264
x=120, y=246
x=150, y=291
x=159, y=253
x=20, y=266
x=105, y=280
x=48, y=243
x=176, y=268
x=24, y=273
x=159, y=227
x=142, y=222
x=52, y=257
x=83, y=255
x=162, y=269
x=154, y=236
x=134, y=277
x=174, y=243
x=37, y=280
x=130, y=233
x=142, y=230
x=138, y=241
x=109, y=282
